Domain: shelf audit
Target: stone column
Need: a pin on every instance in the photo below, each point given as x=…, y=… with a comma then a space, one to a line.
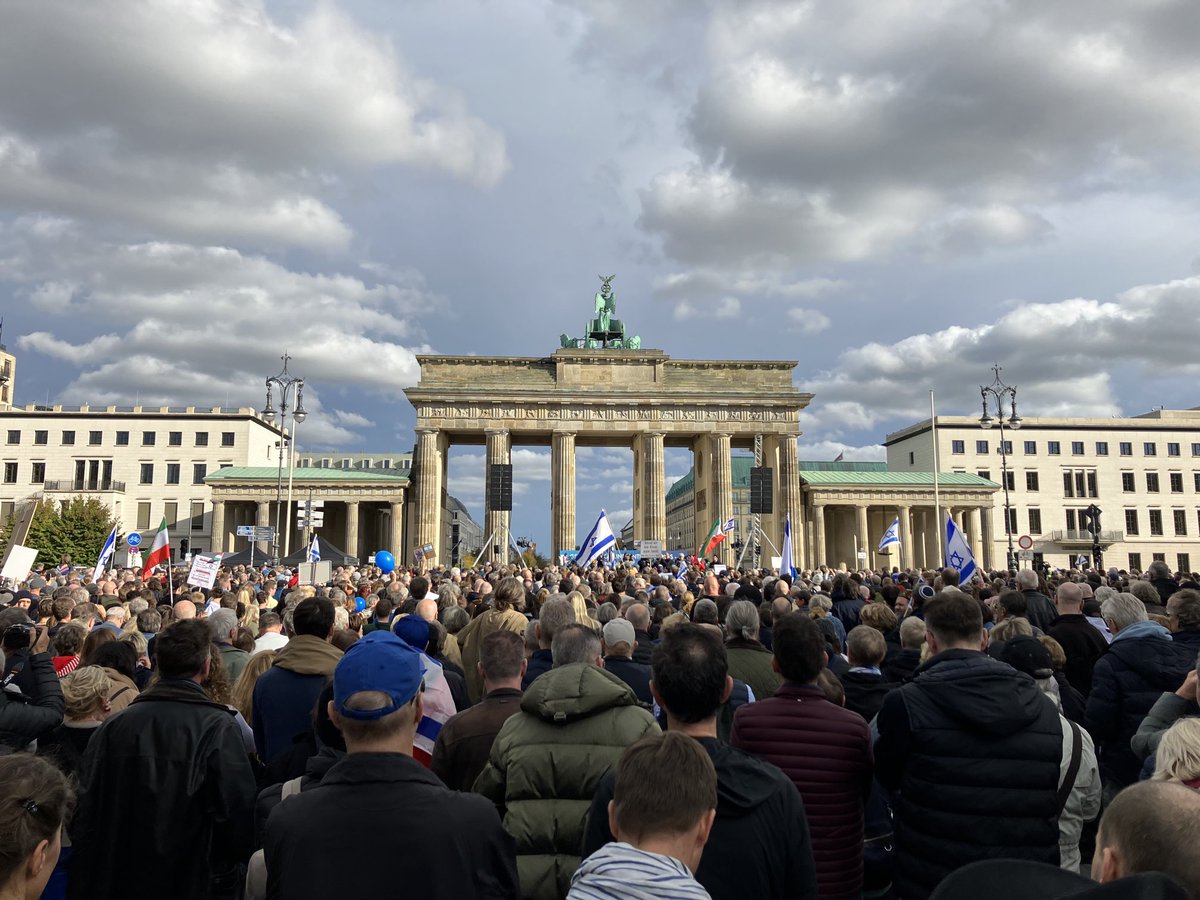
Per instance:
x=975, y=533
x=218, y=535
x=495, y=521
x=819, y=550
x=262, y=518
x=352, y=530
x=905, y=557
x=428, y=472
x=789, y=497
x=654, y=489
x=562, y=493
x=396, y=527
x=986, y=535
x=722, y=489
x=861, y=527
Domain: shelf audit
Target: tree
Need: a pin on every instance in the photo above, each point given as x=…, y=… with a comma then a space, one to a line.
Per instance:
x=78, y=528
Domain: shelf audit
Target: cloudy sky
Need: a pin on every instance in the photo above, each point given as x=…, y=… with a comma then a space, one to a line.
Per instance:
x=894, y=193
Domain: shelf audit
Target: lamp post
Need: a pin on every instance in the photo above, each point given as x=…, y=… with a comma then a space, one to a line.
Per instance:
x=287, y=383
x=999, y=393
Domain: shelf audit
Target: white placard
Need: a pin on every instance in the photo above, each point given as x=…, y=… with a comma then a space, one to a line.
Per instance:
x=315, y=573
x=203, y=572
x=19, y=562
x=776, y=562
x=652, y=549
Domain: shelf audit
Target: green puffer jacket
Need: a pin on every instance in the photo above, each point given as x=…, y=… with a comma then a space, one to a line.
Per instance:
x=750, y=661
x=574, y=724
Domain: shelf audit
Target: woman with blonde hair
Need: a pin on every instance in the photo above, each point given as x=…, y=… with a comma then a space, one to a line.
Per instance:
x=582, y=615
x=86, y=702
x=249, y=604
x=1178, y=756
x=242, y=697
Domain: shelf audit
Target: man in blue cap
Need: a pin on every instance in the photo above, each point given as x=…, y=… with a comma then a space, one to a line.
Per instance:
x=447, y=844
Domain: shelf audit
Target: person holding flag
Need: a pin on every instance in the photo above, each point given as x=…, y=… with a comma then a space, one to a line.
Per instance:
x=958, y=553
x=106, y=555
x=598, y=540
x=160, y=552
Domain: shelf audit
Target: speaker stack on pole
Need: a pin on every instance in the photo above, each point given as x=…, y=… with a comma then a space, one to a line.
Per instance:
x=499, y=487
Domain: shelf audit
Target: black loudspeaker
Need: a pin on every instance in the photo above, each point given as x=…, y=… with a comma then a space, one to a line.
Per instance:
x=499, y=487
x=760, y=491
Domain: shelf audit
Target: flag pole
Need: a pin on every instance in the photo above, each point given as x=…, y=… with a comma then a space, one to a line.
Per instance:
x=937, y=500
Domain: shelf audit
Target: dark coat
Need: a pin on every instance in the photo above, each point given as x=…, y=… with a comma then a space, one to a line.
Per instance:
x=847, y=610
x=1165, y=587
x=270, y=796
x=1083, y=645
x=902, y=666
x=865, y=692
x=285, y=694
x=633, y=674
x=21, y=722
x=1041, y=612
x=453, y=844
x=750, y=661
x=967, y=738
x=541, y=662
x=826, y=752
x=463, y=744
x=759, y=845
x=171, y=768
x=645, y=647
x=1132, y=674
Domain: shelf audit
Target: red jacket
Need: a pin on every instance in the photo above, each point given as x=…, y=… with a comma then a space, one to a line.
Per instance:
x=826, y=751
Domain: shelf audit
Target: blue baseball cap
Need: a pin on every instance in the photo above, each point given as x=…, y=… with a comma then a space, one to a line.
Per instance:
x=413, y=630
x=378, y=662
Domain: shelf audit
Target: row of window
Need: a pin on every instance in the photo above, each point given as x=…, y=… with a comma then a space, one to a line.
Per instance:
x=37, y=473
x=1183, y=561
x=1054, y=448
x=96, y=438
x=1082, y=482
x=171, y=514
x=1154, y=517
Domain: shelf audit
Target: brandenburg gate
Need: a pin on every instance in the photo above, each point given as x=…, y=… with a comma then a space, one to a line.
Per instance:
x=605, y=391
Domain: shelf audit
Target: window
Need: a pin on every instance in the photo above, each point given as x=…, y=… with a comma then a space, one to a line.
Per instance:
x=1010, y=480
x=1180, y=521
x=1195, y=449
x=41, y=438
x=1031, y=481
x=175, y=438
x=1183, y=563
x=95, y=438
x=1068, y=484
x=227, y=439
x=197, y=515
x=172, y=473
x=147, y=473
x=122, y=439
x=14, y=436
x=1172, y=449
x=1159, y=557
x=201, y=438
x=1131, y=522
x=1031, y=448
x=1077, y=448
x=171, y=514
x=1149, y=449
x=985, y=474
x=1126, y=448
x=1012, y=521
x=1135, y=562
x=199, y=470
x=1176, y=482
x=958, y=446
x=1006, y=448
x=6, y=511
x=148, y=438
x=38, y=475
x=912, y=459
x=10, y=473
x=1053, y=448
x=1152, y=482
x=143, y=517
x=1091, y=484
x=1071, y=520
x=1156, y=522
x=1196, y=480
x=1128, y=485
x=981, y=447
x=1102, y=448
x=1035, y=521
x=68, y=438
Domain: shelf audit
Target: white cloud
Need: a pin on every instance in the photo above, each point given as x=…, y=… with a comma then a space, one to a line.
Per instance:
x=725, y=308
x=808, y=321
x=825, y=451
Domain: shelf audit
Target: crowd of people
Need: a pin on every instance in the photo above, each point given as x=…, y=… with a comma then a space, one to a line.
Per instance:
x=634, y=730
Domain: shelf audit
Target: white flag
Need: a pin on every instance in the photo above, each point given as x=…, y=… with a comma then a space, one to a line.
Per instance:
x=599, y=539
x=106, y=555
x=785, y=553
x=958, y=554
x=314, y=551
x=891, y=536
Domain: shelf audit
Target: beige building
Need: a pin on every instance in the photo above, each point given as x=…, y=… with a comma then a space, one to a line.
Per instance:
x=8, y=377
x=1142, y=471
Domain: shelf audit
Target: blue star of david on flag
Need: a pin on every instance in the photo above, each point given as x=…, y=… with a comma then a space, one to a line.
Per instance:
x=891, y=536
x=958, y=554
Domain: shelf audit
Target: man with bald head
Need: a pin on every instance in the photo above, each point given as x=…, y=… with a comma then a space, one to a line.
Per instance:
x=427, y=609
x=1081, y=642
x=185, y=609
x=638, y=616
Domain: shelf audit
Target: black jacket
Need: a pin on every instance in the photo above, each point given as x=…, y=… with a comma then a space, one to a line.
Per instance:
x=22, y=722
x=451, y=845
x=759, y=845
x=633, y=674
x=170, y=768
x=865, y=692
x=540, y=663
x=847, y=610
x=1083, y=643
x=645, y=647
x=903, y=665
x=973, y=747
x=269, y=797
x=1041, y=612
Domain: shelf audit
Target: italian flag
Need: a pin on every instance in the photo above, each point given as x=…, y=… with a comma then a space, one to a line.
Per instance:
x=160, y=551
x=715, y=536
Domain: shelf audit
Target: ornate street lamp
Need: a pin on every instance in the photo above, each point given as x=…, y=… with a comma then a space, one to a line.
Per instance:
x=287, y=385
x=999, y=393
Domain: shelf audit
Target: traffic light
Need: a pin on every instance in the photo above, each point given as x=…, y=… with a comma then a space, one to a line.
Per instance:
x=183, y=546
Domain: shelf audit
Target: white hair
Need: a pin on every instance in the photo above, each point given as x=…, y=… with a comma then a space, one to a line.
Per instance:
x=741, y=620
x=1124, y=610
x=1027, y=579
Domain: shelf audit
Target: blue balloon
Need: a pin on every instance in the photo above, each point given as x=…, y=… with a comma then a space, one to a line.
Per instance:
x=385, y=561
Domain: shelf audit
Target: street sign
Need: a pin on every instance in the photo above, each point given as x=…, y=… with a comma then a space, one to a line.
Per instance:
x=1025, y=554
x=862, y=554
x=651, y=549
x=134, y=539
x=1025, y=542
x=256, y=532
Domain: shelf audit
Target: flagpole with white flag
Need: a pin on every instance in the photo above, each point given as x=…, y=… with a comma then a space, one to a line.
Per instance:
x=106, y=555
x=314, y=551
x=891, y=536
x=958, y=552
x=785, y=552
x=598, y=540
x=937, y=501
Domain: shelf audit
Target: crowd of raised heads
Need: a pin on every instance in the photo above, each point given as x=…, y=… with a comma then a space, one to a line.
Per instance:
x=639, y=729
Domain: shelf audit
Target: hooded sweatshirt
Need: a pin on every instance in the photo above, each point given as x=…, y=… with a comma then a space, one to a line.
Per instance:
x=620, y=871
x=285, y=694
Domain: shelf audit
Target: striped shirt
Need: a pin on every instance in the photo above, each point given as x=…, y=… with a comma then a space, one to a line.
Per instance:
x=620, y=871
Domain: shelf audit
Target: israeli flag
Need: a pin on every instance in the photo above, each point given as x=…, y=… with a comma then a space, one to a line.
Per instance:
x=106, y=555
x=891, y=536
x=314, y=551
x=785, y=553
x=599, y=539
x=958, y=554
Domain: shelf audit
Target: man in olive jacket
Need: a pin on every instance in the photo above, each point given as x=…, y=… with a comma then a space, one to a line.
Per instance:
x=574, y=723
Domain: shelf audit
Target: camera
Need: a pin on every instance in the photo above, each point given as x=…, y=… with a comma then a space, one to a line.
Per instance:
x=18, y=637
